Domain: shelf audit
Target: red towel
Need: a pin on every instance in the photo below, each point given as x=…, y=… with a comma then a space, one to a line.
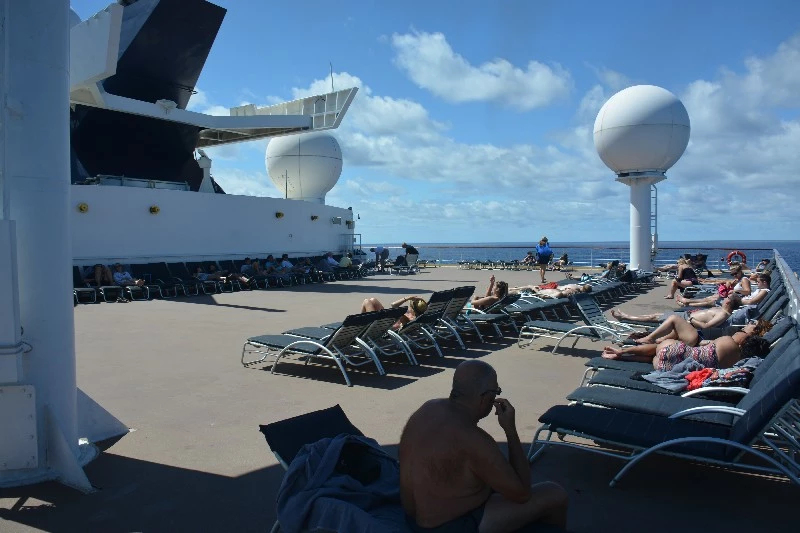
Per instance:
x=551, y=285
x=697, y=378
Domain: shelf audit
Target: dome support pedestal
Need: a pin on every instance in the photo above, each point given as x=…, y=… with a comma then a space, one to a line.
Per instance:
x=640, y=237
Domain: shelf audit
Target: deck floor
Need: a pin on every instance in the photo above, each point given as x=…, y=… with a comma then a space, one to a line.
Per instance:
x=197, y=462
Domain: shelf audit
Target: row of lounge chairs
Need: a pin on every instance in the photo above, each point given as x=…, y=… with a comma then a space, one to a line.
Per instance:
x=170, y=280
x=728, y=426
x=368, y=338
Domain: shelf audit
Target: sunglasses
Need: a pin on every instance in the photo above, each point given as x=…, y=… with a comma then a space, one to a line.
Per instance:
x=497, y=392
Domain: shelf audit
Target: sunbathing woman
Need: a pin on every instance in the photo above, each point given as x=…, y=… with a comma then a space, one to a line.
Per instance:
x=496, y=292
x=723, y=352
x=702, y=318
x=756, y=295
x=416, y=306
x=564, y=291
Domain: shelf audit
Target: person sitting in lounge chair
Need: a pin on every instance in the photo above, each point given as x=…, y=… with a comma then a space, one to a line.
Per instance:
x=756, y=295
x=99, y=275
x=762, y=266
x=529, y=260
x=740, y=283
x=453, y=476
x=416, y=306
x=563, y=291
x=715, y=317
x=494, y=293
x=562, y=262
x=685, y=277
x=124, y=279
x=722, y=352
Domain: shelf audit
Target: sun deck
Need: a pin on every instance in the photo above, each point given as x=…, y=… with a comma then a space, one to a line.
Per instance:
x=197, y=462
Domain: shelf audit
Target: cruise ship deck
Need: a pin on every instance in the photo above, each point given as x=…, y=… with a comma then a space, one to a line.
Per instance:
x=196, y=461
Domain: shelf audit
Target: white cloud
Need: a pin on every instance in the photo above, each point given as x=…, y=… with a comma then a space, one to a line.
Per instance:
x=736, y=180
x=430, y=61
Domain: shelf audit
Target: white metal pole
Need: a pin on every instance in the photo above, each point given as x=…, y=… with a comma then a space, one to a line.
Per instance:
x=640, y=224
x=36, y=94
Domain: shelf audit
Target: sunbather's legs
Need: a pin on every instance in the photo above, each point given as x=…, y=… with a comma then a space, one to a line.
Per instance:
x=619, y=315
x=643, y=353
x=371, y=304
x=709, y=301
x=674, y=327
x=676, y=285
x=547, y=504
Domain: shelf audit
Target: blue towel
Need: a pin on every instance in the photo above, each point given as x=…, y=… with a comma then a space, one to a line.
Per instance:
x=313, y=495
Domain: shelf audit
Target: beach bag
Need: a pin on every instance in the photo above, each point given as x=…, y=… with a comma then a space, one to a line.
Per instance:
x=723, y=290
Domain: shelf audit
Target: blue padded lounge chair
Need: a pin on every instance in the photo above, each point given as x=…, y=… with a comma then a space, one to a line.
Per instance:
x=342, y=347
x=595, y=326
x=623, y=378
x=772, y=423
x=286, y=437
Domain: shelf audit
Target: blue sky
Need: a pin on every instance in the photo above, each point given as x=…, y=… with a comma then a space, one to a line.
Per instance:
x=474, y=120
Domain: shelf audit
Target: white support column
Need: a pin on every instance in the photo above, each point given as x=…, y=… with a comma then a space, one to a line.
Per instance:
x=640, y=225
x=36, y=171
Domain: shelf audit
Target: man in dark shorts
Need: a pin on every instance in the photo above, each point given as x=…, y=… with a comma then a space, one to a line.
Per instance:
x=453, y=476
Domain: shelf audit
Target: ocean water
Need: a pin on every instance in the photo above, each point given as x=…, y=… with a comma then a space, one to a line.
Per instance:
x=595, y=253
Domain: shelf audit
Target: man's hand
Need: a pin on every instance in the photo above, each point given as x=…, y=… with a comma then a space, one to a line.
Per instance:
x=505, y=414
x=491, y=279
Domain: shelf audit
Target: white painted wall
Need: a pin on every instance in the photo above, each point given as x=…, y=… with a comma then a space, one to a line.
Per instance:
x=118, y=226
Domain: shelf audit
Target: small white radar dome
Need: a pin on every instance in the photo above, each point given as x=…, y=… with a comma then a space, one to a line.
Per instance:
x=304, y=167
x=643, y=128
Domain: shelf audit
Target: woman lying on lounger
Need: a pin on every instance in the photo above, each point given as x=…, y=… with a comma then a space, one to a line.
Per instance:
x=416, y=306
x=756, y=295
x=564, y=291
x=701, y=318
x=496, y=292
x=723, y=352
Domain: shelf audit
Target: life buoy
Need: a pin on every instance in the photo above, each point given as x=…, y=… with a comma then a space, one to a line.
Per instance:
x=740, y=257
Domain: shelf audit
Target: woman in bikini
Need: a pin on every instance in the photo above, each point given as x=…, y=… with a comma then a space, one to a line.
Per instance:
x=496, y=292
x=722, y=352
x=416, y=306
x=564, y=291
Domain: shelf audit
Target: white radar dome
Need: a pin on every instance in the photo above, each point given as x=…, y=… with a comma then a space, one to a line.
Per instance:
x=643, y=128
x=304, y=167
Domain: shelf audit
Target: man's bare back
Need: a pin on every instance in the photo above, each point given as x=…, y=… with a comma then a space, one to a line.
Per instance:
x=453, y=476
x=435, y=452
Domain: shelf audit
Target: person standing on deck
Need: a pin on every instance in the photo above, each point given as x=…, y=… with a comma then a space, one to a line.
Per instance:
x=543, y=255
x=453, y=476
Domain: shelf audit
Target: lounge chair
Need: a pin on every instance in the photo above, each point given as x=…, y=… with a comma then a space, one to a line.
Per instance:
x=81, y=291
x=419, y=333
x=286, y=437
x=624, y=378
x=342, y=347
x=376, y=334
x=595, y=326
x=109, y=293
x=768, y=418
x=157, y=279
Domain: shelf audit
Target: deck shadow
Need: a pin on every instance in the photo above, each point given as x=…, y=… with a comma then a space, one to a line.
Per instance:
x=137, y=495
x=331, y=374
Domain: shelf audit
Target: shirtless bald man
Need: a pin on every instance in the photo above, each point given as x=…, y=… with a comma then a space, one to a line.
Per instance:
x=453, y=477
